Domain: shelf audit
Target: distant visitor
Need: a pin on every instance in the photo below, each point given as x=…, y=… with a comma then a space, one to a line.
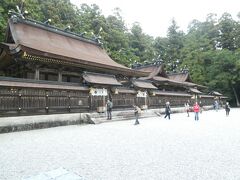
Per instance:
x=187, y=108
x=167, y=110
x=137, y=112
x=196, y=109
x=227, y=108
x=109, y=109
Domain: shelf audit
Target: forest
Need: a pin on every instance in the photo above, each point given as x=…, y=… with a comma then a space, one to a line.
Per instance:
x=209, y=50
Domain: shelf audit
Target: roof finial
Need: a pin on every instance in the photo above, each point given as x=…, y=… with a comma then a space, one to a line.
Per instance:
x=19, y=13
x=47, y=21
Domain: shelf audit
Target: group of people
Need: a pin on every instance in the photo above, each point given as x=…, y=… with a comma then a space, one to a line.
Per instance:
x=109, y=106
x=197, y=108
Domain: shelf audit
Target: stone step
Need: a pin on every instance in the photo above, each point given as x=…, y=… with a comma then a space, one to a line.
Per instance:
x=98, y=120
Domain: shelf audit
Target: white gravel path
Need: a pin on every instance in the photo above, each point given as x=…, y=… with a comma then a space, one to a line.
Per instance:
x=179, y=149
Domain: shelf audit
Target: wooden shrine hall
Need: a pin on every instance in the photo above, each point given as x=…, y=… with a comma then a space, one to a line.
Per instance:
x=44, y=69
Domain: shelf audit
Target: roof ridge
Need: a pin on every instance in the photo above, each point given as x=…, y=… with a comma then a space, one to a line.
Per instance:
x=53, y=29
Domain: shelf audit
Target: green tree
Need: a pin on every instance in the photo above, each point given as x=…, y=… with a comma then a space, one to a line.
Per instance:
x=227, y=28
x=142, y=44
x=160, y=47
x=174, y=46
x=116, y=39
x=5, y=6
x=225, y=73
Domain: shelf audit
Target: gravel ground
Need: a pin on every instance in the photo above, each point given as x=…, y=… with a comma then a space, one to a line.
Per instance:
x=176, y=149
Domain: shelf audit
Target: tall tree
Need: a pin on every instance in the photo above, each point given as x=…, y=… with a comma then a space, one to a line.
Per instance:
x=227, y=28
x=117, y=40
x=225, y=73
x=141, y=44
x=160, y=48
x=175, y=43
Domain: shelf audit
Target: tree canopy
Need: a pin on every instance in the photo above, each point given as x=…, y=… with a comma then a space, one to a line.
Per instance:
x=210, y=50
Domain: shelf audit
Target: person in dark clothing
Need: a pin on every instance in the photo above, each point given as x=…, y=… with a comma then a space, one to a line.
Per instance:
x=137, y=111
x=227, y=108
x=187, y=107
x=109, y=109
x=167, y=110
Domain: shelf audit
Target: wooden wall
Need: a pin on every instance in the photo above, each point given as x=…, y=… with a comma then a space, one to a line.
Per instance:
x=22, y=101
x=39, y=101
x=123, y=100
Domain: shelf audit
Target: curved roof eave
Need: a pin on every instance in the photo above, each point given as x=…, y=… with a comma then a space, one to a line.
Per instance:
x=62, y=46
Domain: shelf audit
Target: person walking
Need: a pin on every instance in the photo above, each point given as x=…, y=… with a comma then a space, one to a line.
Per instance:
x=109, y=109
x=227, y=108
x=196, y=110
x=187, y=107
x=167, y=110
x=137, y=111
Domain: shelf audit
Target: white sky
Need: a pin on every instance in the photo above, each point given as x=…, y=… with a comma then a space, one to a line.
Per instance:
x=155, y=16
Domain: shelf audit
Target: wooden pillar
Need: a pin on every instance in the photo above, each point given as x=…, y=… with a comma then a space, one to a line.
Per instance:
x=59, y=76
x=19, y=101
x=90, y=102
x=47, y=102
x=37, y=73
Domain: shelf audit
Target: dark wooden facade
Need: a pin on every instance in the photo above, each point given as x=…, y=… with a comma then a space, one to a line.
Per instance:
x=62, y=72
x=22, y=101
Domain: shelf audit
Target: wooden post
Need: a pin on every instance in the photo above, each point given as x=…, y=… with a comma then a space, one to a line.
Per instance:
x=90, y=102
x=19, y=102
x=37, y=73
x=47, y=103
x=69, y=102
x=59, y=76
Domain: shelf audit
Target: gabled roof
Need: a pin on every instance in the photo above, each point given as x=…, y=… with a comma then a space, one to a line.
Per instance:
x=182, y=77
x=215, y=93
x=195, y=91
x=158, y=75
x=153, y=70
x=40, y=40
x=185, y=78
x=97, y=78
x=143, y=84
x=164, y=80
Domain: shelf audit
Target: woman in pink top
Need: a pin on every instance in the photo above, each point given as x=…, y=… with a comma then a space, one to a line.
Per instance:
x=196, y=110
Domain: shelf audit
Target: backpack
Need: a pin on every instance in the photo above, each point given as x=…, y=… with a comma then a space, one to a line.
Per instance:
x=109, y=105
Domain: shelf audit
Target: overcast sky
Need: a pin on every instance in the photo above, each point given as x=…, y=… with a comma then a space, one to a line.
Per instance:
x=155, y=16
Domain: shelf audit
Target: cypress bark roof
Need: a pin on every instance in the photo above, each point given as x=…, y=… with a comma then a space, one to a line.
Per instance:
x=143, y=84
x=196, y=91
x=182, y=77
x=96, y=78
x=45, y=41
